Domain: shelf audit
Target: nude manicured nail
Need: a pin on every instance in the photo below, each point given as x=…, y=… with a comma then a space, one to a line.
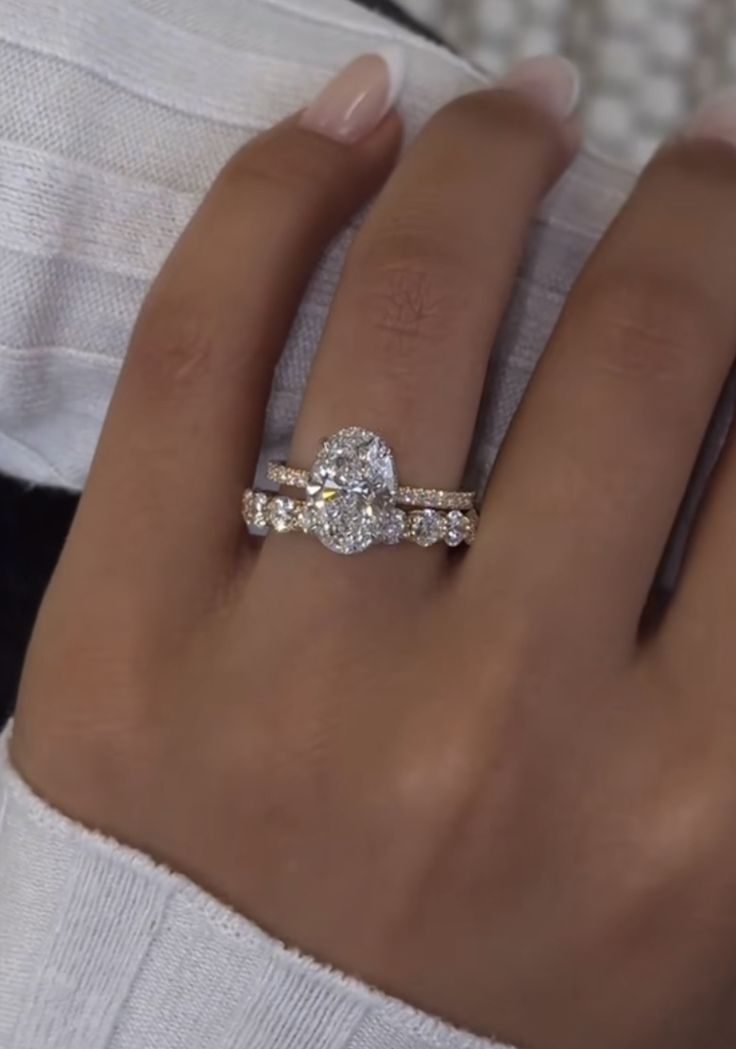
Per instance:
x=359, y=97
x=549, y=80
x=716, y=117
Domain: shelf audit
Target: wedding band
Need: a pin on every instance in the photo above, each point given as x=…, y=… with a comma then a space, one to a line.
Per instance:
x=266, y=510
x=406, y=495
x=354, y=501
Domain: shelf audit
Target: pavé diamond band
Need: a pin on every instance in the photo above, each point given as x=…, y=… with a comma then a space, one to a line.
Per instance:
x=407, y=495
x=354, y=501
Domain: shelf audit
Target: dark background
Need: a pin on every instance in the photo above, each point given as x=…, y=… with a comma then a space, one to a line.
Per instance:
x=34, y=523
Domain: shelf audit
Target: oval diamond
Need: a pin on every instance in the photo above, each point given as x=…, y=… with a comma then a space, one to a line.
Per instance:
x=351, y=491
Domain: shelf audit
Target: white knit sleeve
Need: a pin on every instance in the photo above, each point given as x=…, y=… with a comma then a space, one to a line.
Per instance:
x=101, y=948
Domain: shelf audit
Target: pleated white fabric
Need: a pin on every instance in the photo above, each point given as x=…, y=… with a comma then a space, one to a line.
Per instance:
x=114, y=119
x=100, y=948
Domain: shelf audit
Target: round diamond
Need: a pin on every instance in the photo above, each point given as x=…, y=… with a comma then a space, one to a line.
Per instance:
x=304, y=518
x=248, y=505
x=282, y=514
x=458, y=528
x=254, y=508
x=395, y=527
x=427, y=527
x=351, y=491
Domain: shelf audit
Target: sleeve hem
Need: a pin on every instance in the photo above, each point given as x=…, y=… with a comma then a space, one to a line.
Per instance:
x=102, y=946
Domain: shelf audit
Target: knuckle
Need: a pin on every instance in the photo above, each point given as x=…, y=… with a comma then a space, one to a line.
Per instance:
x=174, y=344
x=645, y=324
x=407, y=301
x=412, y=289
x=411, y=304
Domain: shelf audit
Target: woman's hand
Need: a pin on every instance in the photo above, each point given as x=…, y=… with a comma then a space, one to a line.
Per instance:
x=466, y=780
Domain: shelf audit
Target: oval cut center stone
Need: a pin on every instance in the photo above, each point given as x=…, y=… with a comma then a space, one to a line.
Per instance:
x=352, y=489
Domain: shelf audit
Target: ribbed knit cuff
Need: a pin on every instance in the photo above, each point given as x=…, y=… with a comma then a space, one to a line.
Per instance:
x=101, y=948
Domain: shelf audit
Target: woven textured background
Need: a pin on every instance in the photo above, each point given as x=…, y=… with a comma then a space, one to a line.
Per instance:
x=644, y=62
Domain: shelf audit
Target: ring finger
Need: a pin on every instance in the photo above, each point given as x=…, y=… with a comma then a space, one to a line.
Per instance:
x=406, y=347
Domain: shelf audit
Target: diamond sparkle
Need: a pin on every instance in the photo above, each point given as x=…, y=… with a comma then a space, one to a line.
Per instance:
x=351, y=491
x=395, y=526
x=255, y=505
x=427, y=527
x=282, y=514
x=458, y=528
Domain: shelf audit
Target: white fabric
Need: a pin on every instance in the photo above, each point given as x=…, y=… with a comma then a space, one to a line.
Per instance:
x=115, y=115
x=100, y=948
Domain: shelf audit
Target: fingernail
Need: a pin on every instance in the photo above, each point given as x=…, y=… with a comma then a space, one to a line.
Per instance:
x=716, y=117
x=359, y=97
x=549, y=80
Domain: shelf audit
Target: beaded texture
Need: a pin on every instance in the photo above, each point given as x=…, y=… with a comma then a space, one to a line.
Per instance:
x=424, y=527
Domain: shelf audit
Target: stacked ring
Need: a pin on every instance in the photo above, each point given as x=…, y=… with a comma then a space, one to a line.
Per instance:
x=354, y=501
